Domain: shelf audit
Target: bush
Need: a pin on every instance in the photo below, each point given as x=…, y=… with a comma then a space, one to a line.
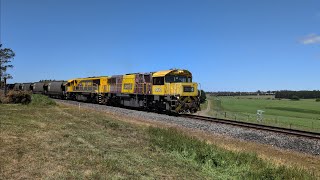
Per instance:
x=295, y=98
x=16, y=97
x=318, y=100
x=202, y=96
x=3, y=98
x=41, y=100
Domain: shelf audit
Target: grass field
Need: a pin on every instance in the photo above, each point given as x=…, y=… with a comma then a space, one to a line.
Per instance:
x=303, y=114
x=44, y=140
x=62, y=143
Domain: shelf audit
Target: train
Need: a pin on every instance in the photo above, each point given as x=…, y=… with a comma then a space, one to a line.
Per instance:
x=169, y=90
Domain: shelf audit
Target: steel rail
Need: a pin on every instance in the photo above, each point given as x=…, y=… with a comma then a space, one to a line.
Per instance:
x=295, y=132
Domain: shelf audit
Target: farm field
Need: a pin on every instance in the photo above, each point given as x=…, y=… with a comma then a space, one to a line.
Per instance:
x=45, y=139
x=303, y=114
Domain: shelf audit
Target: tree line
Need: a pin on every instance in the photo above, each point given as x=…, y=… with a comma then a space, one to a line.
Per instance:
x=286, y=94
x=239, y=93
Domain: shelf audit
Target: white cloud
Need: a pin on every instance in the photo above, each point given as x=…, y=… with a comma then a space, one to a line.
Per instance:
x=310, y=39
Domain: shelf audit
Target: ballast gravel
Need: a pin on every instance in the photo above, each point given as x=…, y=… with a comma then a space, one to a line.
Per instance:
x=282, y=141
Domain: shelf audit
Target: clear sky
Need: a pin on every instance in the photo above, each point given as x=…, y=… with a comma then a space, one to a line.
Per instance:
x=236, y=45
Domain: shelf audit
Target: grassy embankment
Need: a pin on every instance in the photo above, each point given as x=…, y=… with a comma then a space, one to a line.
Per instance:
x=42, y=140
x=204, y=106
x=303, y=114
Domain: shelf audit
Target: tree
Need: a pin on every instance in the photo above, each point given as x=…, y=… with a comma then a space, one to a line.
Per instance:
x=258, y=92
x=6, y=56
x=203, y=96
x=295, y=98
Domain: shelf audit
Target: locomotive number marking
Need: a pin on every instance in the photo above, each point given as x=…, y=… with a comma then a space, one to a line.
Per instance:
x=157, y=89
x=127, y=86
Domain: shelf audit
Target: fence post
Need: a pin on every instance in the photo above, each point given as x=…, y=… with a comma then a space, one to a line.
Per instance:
x=225, y=114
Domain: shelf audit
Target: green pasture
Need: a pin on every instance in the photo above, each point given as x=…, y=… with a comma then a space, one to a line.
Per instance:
x=303, y=114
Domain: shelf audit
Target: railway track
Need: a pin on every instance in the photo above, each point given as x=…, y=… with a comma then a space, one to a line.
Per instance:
x=294, y=132
x=304, y=142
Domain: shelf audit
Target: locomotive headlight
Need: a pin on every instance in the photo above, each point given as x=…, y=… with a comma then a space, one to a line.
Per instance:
x=178, y=97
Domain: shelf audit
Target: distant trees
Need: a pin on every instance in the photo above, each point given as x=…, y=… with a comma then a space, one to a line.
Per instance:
x=203, y=96
x=300, y=94
x=6, y=56
x=295, y=98
x=285, y=94
x=238, y=93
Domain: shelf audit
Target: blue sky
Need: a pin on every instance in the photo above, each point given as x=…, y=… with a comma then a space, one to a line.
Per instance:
x=242, y=45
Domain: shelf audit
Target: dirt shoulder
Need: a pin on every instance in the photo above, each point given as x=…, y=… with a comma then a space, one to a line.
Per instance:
x=206, y=111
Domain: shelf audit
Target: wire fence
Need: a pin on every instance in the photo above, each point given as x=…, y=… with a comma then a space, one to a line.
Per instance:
x=217, y=111
x=309, y=126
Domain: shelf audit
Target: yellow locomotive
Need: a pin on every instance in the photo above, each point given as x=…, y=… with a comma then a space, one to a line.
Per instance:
x=169, y=90
x=86, y=89
x=175, y=89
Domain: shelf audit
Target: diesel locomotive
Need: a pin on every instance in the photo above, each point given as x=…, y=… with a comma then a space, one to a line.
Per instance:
x=169, y=90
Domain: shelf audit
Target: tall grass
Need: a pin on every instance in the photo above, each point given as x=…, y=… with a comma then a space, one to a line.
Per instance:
x=223, y=164
x=41, y=100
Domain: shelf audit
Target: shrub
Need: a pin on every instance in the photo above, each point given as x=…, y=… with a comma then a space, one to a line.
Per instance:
x=202, y=96
x=295, y=98
x=318, y=100
x=16, y=97
x=3, y=98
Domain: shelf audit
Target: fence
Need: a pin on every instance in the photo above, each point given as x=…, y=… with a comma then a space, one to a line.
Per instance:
x=280, y=121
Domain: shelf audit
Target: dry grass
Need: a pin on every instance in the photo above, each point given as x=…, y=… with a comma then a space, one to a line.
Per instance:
x=59, y=142
x=266, y=152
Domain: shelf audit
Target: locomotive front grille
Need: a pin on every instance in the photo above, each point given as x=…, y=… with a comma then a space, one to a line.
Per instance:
x=188, y=89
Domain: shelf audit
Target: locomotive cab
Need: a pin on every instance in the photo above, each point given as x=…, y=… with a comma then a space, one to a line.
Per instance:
x=176, y=86
x=174, y=82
